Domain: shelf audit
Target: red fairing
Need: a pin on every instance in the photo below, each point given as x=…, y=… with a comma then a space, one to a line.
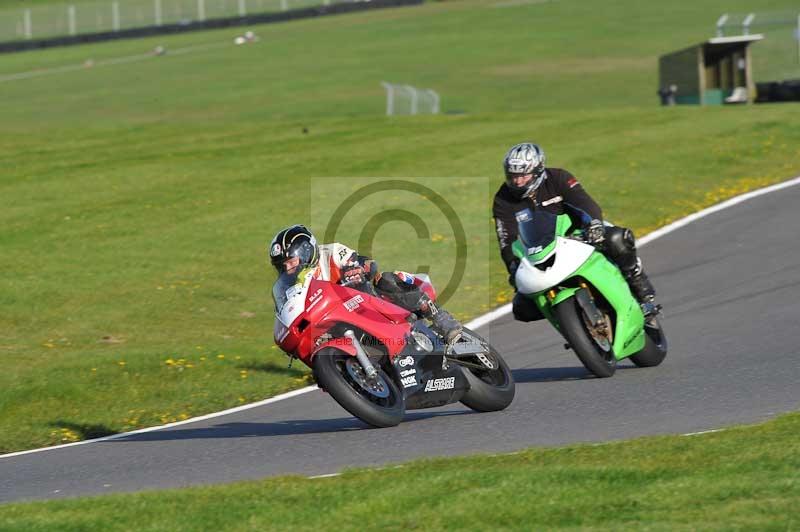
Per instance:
x=328, y=304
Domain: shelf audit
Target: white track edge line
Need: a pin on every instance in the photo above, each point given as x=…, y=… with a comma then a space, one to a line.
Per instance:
x=281, y=397
x=474, y=324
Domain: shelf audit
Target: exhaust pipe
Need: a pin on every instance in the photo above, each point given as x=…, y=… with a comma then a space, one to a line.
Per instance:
x=361, y=355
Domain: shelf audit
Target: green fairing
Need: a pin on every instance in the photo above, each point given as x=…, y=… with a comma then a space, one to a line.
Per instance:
x=517, y=248
x=539, y=257
x=606, y=278
x=563, y=224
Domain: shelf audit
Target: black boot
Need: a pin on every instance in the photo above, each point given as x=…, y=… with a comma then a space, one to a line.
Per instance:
x=443, y=322
x=642, y=289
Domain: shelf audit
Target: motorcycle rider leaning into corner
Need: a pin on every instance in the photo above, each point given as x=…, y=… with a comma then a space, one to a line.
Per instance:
x=529, y=184
x=294, y=250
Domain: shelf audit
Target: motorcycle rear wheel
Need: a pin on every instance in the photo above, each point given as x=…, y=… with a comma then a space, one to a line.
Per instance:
x=655, y=345
x=340, y=374
x=601, y=362
x=490, y=389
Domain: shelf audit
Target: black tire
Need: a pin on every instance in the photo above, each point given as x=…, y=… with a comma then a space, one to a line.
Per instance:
x=490, y=390
x=655, y=345
x=570, y=317
x=334, y=376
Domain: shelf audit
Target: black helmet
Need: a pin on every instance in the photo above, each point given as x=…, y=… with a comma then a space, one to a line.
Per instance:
x=525, y=158
x=294, y=241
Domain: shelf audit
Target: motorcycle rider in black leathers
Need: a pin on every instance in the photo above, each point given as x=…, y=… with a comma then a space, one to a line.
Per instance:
x=295, y=249
x=529, y=184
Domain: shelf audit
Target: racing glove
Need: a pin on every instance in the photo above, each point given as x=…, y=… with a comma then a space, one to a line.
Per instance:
x=353, y=274
x=595, y=232
x=512, y=273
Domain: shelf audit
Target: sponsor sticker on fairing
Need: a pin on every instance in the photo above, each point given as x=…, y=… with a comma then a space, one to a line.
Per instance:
x=315, y=298
x=407, y=361
x=353, y=303
x=407, y=372
x=448, y=383
x=409, y=381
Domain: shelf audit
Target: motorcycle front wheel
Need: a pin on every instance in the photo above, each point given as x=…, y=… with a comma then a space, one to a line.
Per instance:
x=596, y=354
x=379, y=403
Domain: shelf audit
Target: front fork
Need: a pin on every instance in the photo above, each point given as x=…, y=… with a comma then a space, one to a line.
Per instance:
x=363, y=359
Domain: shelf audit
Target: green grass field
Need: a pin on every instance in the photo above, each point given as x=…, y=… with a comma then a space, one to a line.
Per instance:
x=743, y=478
x=137, y=198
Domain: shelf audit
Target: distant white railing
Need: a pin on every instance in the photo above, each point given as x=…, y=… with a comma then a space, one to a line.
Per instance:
x=96, y=16
x=769, y=23
x=405, y=99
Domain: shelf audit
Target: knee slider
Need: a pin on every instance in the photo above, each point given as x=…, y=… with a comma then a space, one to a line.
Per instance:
x=619, y=241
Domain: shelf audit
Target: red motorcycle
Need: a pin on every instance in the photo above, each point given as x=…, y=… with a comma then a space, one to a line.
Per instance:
x=378, y=360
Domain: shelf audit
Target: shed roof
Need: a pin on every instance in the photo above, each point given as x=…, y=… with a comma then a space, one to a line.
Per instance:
x=736, y=39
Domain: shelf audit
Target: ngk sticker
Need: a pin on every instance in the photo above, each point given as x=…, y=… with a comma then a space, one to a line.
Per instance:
x=409, y=381
x=440, y=384
x=353, y=303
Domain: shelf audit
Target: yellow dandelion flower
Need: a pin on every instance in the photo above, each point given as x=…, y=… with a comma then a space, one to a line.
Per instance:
x=221, y=357
x=121, y=362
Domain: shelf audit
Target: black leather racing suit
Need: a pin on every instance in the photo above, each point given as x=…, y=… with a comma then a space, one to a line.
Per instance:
x=559, y=189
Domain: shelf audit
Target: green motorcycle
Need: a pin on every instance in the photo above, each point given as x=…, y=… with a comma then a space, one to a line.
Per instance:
x=583, y=295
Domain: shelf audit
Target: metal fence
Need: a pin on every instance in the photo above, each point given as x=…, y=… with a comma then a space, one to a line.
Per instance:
x=777, y=57
x=57, y=20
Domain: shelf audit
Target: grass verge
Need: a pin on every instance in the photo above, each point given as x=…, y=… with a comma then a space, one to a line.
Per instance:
x=740, y=478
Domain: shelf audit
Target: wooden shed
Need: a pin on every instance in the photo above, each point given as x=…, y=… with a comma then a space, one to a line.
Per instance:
x=710, y=73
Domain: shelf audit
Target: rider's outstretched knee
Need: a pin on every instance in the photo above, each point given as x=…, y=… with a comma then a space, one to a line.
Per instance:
x=620, y=246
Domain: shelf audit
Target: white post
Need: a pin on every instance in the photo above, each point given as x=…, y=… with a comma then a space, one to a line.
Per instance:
x=389, y=98
x=71, y=16
x=201, y=10
x=242, y=8
x=435, y=96
x=27, y=24
x=157, y=9
x=721, y=25
x=414, y=98
x=746, y=24
x=115, y=16
x=284, y=5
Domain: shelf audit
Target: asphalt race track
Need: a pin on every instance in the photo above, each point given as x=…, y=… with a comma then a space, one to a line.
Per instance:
x=730, y=285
